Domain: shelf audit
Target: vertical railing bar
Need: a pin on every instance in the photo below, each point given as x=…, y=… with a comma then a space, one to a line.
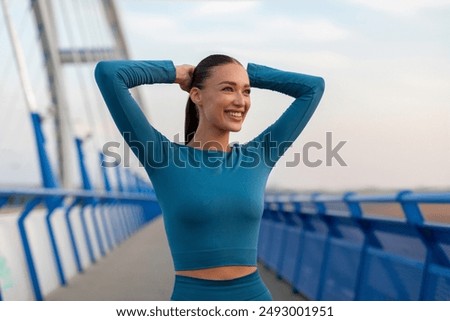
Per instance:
x=105, y=225
x=76, y=255
x=415, y=218
x=281, y=214
x=115, y=220
x=127, y=216
x=30, y=205
x=97, y=228
x=54, y=245
x=123, y=224
x=87, y=238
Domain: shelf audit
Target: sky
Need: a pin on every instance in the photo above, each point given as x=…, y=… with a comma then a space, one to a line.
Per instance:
x=386, y=65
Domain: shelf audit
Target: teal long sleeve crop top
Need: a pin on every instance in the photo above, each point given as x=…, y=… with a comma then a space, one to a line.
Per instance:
x=212, y=201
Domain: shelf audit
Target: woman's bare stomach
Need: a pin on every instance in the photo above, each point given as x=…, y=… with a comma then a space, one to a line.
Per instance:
x=219, y=273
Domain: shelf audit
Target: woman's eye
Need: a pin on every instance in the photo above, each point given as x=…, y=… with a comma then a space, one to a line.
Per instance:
x=247, y=92
x=227, y=89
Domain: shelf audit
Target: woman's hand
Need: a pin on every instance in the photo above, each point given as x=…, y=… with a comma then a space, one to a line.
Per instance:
x=184, y=76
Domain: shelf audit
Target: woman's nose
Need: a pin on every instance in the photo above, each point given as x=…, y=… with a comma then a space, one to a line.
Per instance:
x=239, y=99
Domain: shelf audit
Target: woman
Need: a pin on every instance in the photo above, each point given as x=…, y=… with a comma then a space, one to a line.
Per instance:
x=211, y=194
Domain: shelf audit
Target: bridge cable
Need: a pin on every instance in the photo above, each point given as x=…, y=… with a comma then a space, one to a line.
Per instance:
x=10, y=97
x=77, y=62
x=100, y=34
x=30, y=99
x=94, y=94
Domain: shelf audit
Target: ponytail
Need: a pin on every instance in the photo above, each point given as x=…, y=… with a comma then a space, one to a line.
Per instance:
x=191, y=121
x=201, y=72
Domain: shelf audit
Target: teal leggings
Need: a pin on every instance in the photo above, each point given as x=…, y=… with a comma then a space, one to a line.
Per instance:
x=246, y=288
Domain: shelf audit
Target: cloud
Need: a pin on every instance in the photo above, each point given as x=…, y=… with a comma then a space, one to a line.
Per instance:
x=296, y=58
x=252, y=32
x=144, y=22
x=316, y=30
x=401, y=7
x=224, y=7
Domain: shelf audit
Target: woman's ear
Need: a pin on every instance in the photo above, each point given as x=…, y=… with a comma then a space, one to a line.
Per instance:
x=195, y=96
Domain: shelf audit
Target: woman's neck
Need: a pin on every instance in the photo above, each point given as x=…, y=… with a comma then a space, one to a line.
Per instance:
x=217, y=141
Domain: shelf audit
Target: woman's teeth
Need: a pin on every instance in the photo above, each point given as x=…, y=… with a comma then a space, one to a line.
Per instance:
x=235, y=114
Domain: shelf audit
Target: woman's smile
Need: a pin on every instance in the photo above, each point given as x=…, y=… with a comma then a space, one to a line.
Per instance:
x=235, y=115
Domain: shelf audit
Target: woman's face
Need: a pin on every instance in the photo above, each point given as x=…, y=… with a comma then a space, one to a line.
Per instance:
x=224, y=100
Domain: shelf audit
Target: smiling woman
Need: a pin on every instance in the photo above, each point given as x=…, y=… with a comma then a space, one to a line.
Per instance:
x=219, y=99
x=211, y=210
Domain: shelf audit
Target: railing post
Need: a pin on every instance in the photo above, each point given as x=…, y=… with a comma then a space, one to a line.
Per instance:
x=281, y=213
x=76, y=255
x=3, y=201
x=104, y=173
x=87, y=238
x=103, y=202
x=48, y=181
x=105, y=224
x=299, y=254
x=415, y=218
x=119, y=220
x=119, y=178
x=320, y=206
x=289, y=222
x=59, y=267
x=97, y=228
x=321, y=212
x=120, y=234
x=357, y=214
x=354, y=207
x=30, y=205
x=92, y=201
x=124, y=217
x=301, y=248
x=411, y=210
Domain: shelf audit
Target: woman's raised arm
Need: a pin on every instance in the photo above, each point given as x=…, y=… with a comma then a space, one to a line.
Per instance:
x=307, y=91
x=114, y=78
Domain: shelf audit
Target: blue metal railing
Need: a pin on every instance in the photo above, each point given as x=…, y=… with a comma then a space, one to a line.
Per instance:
x=146, y=202
x=328, y=248
x=125, y=211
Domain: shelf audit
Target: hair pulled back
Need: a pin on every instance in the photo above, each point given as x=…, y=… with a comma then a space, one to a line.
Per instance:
x=201, y=72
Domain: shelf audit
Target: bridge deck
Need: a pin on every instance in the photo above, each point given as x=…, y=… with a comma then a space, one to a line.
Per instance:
x=141, y=269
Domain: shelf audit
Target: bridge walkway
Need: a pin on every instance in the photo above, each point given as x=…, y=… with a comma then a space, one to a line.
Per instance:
x=141, y=269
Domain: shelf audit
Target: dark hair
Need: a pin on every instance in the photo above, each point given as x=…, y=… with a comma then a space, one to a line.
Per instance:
x=201, y=72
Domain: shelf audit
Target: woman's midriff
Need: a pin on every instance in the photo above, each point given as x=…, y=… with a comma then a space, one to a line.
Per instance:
x=219, y=273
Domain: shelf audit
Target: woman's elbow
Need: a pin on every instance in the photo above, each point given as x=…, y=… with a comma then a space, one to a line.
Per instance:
x=103, y=71
x=320, y=85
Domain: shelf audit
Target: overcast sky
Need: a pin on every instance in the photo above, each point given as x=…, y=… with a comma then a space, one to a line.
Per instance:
x=386, y=65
